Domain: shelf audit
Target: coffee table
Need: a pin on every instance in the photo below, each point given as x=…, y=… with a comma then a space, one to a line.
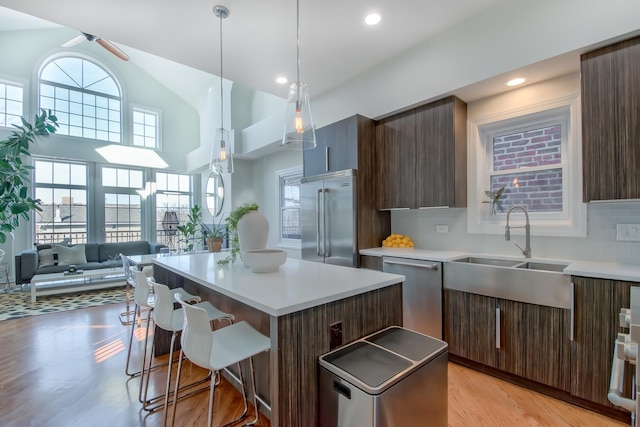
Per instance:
x=59, y=283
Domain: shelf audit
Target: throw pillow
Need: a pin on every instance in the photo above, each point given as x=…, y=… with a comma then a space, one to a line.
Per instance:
x=47, y=257
x=68, y=255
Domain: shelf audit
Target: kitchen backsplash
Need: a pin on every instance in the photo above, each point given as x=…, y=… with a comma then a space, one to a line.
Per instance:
x=599, y=245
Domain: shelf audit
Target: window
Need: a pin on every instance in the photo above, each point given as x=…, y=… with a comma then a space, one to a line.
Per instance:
x=534, y=155
x=145, y=128
x=122, y=204
x=62, y=189
x=173, y=202
x=84, y=96
x=10, y=104
x=290, y=226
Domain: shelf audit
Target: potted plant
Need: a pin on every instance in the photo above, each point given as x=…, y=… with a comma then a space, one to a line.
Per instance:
x=214, y=235
x=232, y=229
x=189, y=230
x=15, y=201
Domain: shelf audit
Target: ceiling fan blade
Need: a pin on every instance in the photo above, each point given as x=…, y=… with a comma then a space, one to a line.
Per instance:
x=112, y=48
x=74, y=41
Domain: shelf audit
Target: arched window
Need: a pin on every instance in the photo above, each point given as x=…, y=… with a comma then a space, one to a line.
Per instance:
x=84, y=96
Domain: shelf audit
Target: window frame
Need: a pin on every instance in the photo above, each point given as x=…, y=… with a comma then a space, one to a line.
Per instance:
x=572, y=221
x=158, y=134
x=23, y=86
x=281, y=175
x=119, y=190
x=121, y=99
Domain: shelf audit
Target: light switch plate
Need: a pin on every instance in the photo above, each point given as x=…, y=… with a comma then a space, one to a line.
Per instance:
x=442, y=228
x=628, y=232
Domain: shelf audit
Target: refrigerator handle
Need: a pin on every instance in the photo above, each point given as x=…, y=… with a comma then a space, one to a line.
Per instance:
x=318, y=222
x=325, y=224
x=326, y=159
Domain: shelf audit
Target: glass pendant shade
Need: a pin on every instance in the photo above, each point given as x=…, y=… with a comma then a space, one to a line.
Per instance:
x=299, y=131
x=221, y=154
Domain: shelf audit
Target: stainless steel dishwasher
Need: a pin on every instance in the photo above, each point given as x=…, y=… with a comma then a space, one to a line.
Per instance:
x=421, y=293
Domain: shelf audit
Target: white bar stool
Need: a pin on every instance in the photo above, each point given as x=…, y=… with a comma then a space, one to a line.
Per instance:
x=172, y=320
x=217, y=350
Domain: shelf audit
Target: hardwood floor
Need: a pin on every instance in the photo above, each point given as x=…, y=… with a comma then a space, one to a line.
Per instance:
x=67, y=369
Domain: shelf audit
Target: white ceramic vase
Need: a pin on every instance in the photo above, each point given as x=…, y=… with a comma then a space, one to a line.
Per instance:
x=253, y=231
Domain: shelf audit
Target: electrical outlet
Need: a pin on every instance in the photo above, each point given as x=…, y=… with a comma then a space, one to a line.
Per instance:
x=628, y=232
x=442, y=228
x=335, y=335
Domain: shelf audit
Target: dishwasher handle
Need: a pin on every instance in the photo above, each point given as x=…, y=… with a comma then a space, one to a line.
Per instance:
x=433, y=267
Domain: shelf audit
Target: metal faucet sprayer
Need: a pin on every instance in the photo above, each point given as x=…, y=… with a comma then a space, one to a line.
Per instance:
x=527, y=228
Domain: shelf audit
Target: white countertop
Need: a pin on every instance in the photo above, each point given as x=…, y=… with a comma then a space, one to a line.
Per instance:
x=423, y=254
x=298, y=284
x=595, y=269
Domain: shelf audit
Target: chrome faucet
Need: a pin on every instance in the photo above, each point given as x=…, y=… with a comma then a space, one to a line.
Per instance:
x=527, y=229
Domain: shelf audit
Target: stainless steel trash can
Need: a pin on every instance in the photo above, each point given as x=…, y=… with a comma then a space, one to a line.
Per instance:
x=394, y=377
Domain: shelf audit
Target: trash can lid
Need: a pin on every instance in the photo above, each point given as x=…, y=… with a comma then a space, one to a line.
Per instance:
x=408, y=343
x=366, y=366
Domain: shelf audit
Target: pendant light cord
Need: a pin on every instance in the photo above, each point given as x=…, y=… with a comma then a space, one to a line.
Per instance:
x=221, y=92
x=298, y=42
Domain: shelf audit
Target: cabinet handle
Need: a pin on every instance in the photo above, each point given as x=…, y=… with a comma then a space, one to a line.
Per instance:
x=572, y=306
x=325, y=225
x=497, y=328
x=413, y=264
x=318, y=222
x=326, y=159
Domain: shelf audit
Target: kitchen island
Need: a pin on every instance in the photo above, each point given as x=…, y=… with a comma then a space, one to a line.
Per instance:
x=296, y=307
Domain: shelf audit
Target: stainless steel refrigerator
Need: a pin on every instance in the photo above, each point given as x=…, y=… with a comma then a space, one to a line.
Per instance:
x=329, y=218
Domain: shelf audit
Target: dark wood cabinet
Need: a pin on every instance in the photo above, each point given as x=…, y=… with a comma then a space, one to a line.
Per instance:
x=535, y=343
x=371, y=262
x=611, y=122
x=395, y=137
x=441, y=154
x=423, y=161
x=527, y=340
x=337, y=146
x=470, y=326
x=597, y=307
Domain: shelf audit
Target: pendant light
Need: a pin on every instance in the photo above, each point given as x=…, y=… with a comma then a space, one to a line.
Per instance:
x=299, y=132
x=221, y=154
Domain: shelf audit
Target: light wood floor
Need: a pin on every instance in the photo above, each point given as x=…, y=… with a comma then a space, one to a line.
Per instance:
x=67, y=369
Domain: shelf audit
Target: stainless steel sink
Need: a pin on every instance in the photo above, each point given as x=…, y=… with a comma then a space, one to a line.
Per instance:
x=490, y=261
x=544, y=266
x=531, y=282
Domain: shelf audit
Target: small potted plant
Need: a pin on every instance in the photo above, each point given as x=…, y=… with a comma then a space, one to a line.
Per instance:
x=214, y=235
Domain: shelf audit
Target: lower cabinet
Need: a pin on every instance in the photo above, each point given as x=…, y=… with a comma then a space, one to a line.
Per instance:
x=527, y=340
x=597, y=305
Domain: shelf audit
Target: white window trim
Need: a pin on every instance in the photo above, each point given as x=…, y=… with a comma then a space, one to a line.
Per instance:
x=148, y=110
x=574, y=222
x=286, y=243
x=24, y=85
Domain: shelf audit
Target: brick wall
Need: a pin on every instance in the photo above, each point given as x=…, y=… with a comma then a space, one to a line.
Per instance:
x=537, y=190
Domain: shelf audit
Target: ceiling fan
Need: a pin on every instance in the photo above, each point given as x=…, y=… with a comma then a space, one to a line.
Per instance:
x=102, y=42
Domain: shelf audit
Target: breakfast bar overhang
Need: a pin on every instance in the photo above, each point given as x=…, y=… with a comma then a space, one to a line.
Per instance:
x=296, y=307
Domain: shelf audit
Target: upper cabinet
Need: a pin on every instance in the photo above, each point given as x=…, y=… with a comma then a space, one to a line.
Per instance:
x=337, y=146
x=611, y=122
x=423, y=156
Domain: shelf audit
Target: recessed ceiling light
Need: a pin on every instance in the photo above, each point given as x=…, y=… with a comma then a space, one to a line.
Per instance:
x=515, y=82
x=372, y=19
x=281, y=80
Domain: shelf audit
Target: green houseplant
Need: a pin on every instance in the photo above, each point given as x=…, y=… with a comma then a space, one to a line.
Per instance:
x=213, y=235
x=15, y=201
x=189, y=230
x=232, y=229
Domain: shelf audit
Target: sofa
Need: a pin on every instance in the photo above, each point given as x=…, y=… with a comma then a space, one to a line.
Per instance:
x=88, y=256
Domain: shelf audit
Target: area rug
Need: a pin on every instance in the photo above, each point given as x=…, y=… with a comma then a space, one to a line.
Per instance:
x=17, y=304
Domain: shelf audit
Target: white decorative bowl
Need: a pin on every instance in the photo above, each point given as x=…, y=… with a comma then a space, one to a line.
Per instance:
x=264, y=260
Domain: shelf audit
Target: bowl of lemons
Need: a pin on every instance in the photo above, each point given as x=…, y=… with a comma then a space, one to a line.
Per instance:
x=397, y=241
